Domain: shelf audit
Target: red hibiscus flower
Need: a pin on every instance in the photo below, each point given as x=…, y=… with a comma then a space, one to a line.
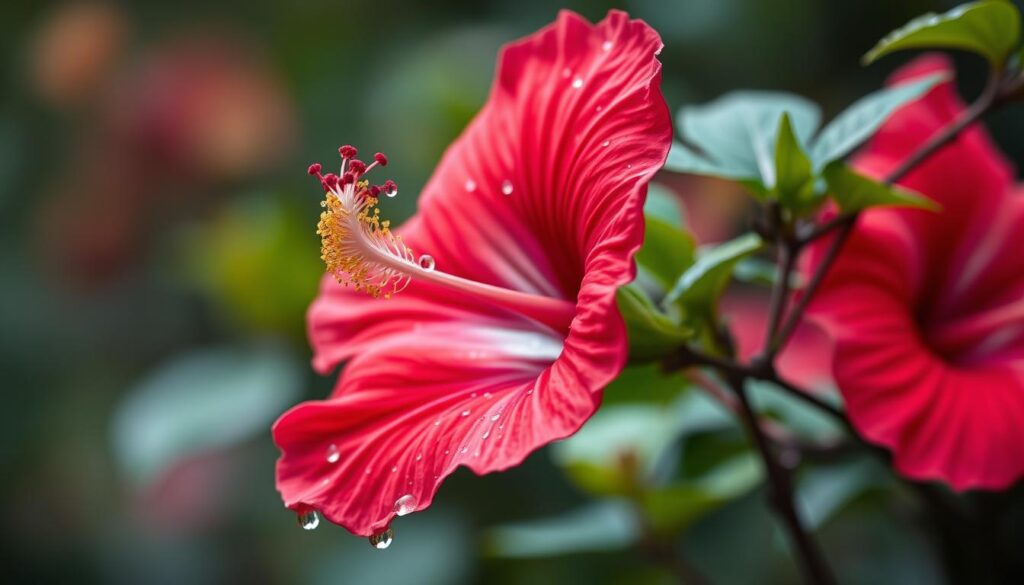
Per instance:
x=927, y=309
x=501, y=329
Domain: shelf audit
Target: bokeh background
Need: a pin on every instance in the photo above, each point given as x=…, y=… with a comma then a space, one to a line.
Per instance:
x=157, y=254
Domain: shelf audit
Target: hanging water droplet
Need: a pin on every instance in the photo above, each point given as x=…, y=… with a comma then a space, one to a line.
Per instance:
x=382, y=540
x=332, y=453
x=465, y=413
x=426, y=262
x=577, y=83
x=506, y=187
x=606, y=143
x=470, y=185
x=309, y=520
x=606, y=46
x=405, y=505
x=390, y=189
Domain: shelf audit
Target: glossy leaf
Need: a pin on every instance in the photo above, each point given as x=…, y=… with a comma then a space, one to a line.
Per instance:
x=861, y=120
x=652, y=334
x=735, y=135
x=854, y=192
x=666, y=252
x=700, y=286
x=990, y=28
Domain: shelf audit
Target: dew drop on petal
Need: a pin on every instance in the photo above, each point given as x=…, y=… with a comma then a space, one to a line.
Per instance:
x=629, y=166
x=495, y=417
x=437, y=423
x=606, y=143
x=419, y=456
x=464, y=449
x=606, y=46
x=426, y=262
x=382, y=540
x=577, y=83
x=465, y=413
x=599, y=109
x=309, y=520
x=394, y=470
x=487, y=395
x=486, y=434
x=470, y=185
x=506, y=187
x=332, y=453
x=405, y=505
x=529, y=392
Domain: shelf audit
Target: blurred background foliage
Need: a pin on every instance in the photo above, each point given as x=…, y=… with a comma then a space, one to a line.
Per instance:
x=157, y=254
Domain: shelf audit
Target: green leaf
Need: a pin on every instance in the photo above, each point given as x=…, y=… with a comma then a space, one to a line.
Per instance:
x=199, y=401
x=663, y=204
x=652, y=334
x=990, y=28
x=735, y=136
x=643, y=383
x=854, y=192
x=666, y=251
x=824, y=491
x=794, y=180
x=700, y=286
x=603, y=526
x=862, y=119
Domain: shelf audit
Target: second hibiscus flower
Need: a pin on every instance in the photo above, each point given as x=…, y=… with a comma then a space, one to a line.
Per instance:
x=502, y=328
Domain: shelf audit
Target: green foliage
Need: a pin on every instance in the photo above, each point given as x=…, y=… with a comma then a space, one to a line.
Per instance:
x=990, y=28
x=864, y=117
x=202, y=400
x=652, y=334
x=601, y=526
x=854, y=192
x=667, y=251
x=794, y=179
x=767, y=141
x=734, y=136
x=698, y=289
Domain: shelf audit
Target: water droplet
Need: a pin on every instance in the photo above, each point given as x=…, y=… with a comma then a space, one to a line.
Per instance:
x=332, y=453
x=419, y=456
x=487, y=395
x=390, y=189
x=486, y=434
x=473, y=395
x=606, y=46
x=437, y=423
x=529, y=392
x=405, y=505
x=447, y=451
x=577, y=83
x=394, y=470
x=368, y=471
x=309, y=520
x=465, y=413
x=426, y=262
x=325, y=481
x=506, y=187
x=629, y=166
x=495, y=417
x=382, y=540
x=606, y=143
x=470, y=185
x=599, y=109
x=464, y=449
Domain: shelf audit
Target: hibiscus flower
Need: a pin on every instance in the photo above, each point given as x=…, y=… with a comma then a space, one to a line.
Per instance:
x=927, y=308
x=488, y=326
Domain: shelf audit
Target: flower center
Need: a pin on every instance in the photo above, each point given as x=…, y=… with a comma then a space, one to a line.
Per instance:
x=361, y=251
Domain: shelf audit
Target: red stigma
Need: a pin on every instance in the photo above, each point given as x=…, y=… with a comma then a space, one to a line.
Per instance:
x=348, y=179
x=357, y=166
x=381, y=159
x=330, y=180
x=348, y=151
x=390, y=185
x=374, y=191
x=314, y=169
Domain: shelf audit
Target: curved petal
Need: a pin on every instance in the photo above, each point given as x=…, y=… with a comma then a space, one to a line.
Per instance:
x=543, y=193
x=925, y=308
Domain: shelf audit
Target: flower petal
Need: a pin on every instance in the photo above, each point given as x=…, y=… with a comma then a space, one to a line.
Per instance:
x=529, y=198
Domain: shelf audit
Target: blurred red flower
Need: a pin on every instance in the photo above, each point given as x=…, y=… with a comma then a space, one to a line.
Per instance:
x=927, y=308
x=533, y=216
